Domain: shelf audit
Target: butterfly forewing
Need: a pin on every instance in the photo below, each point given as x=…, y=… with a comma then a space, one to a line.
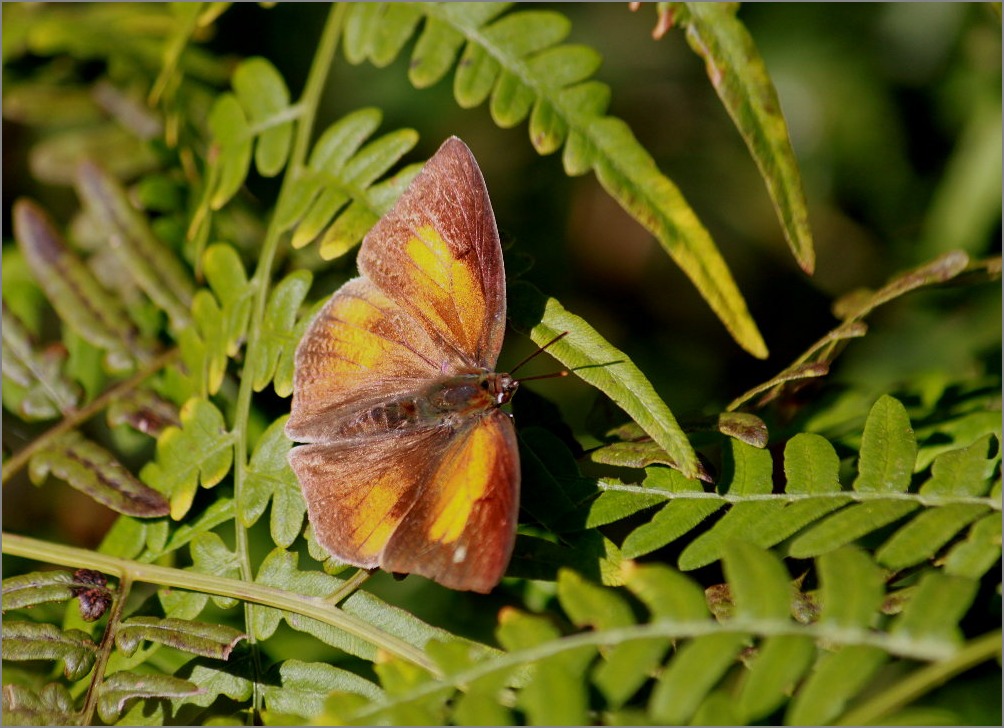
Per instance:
x=360, y=349
x=437, y=254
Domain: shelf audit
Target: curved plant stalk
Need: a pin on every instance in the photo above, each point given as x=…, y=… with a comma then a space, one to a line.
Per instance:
x=252, y=593
x=924, y=680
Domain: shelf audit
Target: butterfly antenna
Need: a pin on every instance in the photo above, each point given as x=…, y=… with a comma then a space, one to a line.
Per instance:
x=562, y=335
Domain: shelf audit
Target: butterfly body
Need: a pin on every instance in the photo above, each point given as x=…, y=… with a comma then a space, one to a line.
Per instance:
x=410, y=465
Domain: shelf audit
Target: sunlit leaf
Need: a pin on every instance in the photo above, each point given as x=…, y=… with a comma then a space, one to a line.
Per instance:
x=740, y=77
x=200, y=451
x=593, y=359
x=888, y=449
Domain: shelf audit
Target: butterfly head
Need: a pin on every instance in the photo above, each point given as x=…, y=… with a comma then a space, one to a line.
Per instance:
x=502, y=387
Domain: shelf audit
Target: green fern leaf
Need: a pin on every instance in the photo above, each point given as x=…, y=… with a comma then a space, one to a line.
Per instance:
x=300, y=688
x=834, y=681
x=225, y=274
x=852, y=588
x=273, y=359
x=556, y=692
x=888, y=449
x=232, y=135
x=794, y=517
x=233, y=679
x=810, y=465
x=848, y=525
x=739, y=76
x=962, y=472
x=668, y=594
x=746, y=471
x=262, y=92
x=200, y=451
x=923, y=537
x=775, y=671
x=625, y=667
x=211, y=556
x=670, y=523
x=270, y=478
x=339, y=183
x=614, y=505
x=693, y=672
x=979, y=552
x=91, y=469
x=593, y=359
x=40, y=641
x=221, y=315
x=758, y=581
x=932, y=615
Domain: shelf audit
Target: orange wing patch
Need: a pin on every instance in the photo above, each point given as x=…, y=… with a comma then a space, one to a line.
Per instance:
x=359, y=491
x=461, y=481
x=452, y=297
x=471, y=505
x=360, y=346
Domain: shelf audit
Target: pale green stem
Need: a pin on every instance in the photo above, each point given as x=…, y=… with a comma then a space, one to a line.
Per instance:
x=323, y=59
x=313, y=607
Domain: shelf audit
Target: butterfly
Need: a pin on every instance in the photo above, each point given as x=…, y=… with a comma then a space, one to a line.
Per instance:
x=410, y=465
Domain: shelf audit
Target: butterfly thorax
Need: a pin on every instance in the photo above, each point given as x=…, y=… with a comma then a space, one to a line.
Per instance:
x=450, y=402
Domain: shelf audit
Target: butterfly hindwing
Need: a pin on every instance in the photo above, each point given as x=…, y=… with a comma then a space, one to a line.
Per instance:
x=437, y=502
x=462, y=530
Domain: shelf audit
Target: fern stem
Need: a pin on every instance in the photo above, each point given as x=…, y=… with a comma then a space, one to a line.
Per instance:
x=855, y=496
x=105, y=650
x=308, y=606
x=78, y=417
x=924, y=680
x=323, y=59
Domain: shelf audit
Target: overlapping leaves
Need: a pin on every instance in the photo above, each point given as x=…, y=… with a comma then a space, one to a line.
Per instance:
x=678, y=664
x=518, y=61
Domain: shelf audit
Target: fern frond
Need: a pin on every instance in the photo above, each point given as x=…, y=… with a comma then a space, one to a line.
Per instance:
x=334, y=198
x=82, y=303
x=813, y=514
x=518, y=60
x=200, y=451
x=543, y=672
x=34, y=384
x=90, y=468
